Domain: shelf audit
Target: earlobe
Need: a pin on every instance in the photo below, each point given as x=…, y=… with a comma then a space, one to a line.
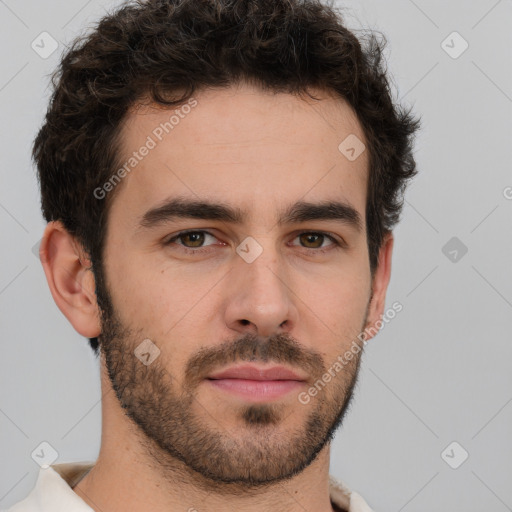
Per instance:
x=380, y=285
x=70, y=278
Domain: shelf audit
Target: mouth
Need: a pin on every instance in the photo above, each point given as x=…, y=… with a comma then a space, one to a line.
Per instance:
x=257, y=384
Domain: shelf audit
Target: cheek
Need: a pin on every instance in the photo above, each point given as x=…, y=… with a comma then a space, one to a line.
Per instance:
x=162, y=305
x=151, y=294
x=337, y=302
x=136, y=290
x=341, y=308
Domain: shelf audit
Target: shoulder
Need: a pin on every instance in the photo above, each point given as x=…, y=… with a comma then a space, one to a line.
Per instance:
x=345, y=499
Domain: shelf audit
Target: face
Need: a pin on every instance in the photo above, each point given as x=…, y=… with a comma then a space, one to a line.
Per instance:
x=247, y=276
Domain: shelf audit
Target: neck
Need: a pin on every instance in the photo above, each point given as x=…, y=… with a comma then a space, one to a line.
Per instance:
x=124, y=484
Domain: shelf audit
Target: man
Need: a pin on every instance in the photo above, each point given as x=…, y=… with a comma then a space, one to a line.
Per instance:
x=220, y=179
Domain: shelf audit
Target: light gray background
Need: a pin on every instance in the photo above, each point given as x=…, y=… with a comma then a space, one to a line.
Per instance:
x=438, y=373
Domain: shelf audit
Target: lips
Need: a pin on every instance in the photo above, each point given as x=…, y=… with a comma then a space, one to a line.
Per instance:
x=253, y=384
x=251, y=372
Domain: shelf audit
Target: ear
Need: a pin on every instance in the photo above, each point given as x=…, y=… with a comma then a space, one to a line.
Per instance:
x=70, y=278
x=380, y=285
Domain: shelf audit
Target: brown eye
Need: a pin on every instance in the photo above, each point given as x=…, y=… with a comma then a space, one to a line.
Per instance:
x=194, y=238
x=316, y=239
x=191, y=239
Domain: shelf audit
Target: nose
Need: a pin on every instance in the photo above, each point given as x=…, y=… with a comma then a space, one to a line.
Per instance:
x=261, y=297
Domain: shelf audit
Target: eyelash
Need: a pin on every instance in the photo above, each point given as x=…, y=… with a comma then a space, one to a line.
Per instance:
x=202, y=250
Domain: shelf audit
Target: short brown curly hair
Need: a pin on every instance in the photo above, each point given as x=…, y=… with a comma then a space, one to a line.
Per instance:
x=155, y=48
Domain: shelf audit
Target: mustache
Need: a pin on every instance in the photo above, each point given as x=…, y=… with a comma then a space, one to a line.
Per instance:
x=280, y=348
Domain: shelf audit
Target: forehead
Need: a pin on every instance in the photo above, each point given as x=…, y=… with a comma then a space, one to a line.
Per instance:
x=243, y=146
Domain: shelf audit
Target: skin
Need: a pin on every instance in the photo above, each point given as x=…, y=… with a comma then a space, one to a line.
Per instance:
x=171, y=440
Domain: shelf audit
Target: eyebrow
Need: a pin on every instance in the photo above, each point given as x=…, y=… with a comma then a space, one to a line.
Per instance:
x=301, y=211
